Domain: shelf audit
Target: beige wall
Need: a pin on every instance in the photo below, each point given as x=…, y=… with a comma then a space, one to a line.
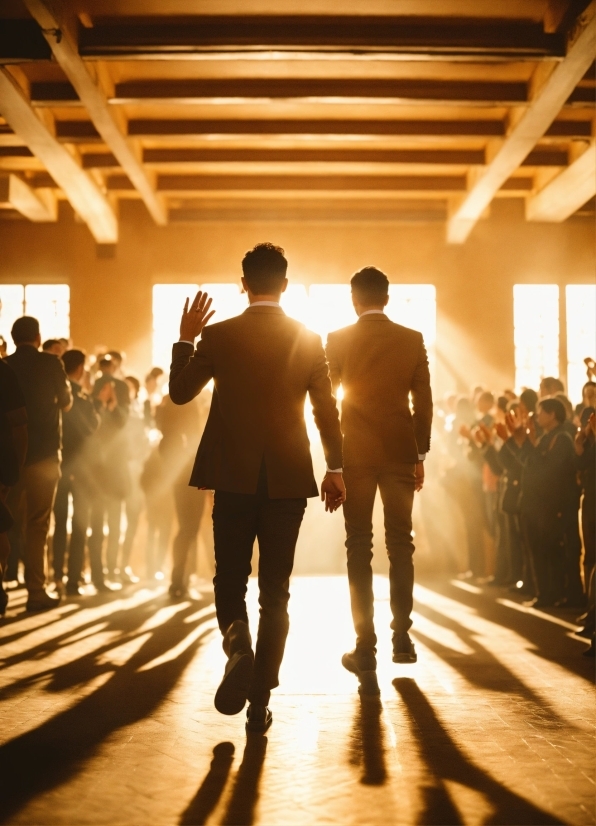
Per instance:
x=111, y=296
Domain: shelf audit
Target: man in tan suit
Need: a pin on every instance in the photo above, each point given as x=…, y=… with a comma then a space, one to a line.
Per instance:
x=380, y=365
x=255, y=455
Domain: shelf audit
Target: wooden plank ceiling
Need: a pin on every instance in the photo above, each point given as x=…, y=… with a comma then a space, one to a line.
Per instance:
x=389, y=110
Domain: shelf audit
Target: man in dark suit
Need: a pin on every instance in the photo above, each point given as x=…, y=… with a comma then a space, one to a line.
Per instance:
x=255, y=455
x=380, y=365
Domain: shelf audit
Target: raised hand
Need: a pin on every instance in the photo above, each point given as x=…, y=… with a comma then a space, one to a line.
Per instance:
x=333, y=491
x=501, y=431
x=194, y=318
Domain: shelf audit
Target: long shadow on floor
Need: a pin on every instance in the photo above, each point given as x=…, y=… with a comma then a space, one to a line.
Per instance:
x=58, y=749
x=240, y=808
x=367, y=741
x=550, y=640
x=445, y=761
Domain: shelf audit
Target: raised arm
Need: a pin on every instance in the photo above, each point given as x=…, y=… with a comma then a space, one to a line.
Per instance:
x=191, y=369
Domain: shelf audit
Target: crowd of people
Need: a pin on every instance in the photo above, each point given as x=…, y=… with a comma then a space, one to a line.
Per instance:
x=84, y=449
x=521, y=470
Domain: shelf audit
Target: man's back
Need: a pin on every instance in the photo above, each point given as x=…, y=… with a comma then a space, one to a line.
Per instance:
x=45, y=387
x=263, y=364
x=379, y=364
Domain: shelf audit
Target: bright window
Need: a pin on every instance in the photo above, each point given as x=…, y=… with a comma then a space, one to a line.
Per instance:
x=168, y=302
x=581, y=335
x=415, y=306
x=330, y=308
x=228, y=301
x=295, y=302
x=50, y=305
x=536, y=333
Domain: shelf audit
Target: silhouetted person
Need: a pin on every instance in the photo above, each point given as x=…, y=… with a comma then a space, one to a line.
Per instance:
x=379, y=364
x=46, y=390
x=138, y=449
x=182, y=427
x=13, y=451
x=110, y=466
x=78, y=424
x=255, y=455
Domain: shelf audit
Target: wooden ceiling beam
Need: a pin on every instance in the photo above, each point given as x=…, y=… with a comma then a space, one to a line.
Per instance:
x=38, y=206
x=222, y=183
x=92, y=97
x=331, y=35
x=566, y=193
x=22, y=41
x=79, y=188
x=527, y=130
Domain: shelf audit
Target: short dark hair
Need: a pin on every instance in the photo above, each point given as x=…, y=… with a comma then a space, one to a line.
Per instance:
x=566, y=404
x=114, y=354
x=47, y=345
x=264, y=267
x=134, y=381
x=552, y=385
x=503, y=403
x=25, y=329
x=72, y=360
x=529, y=399
x=555, y=406
x=105, y=361
x=370, y=285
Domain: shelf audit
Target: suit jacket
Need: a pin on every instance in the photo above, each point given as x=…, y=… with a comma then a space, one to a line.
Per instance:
x=263, y=365
x=379, y=363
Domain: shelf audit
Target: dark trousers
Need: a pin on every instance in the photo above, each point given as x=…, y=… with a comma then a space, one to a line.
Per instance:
x=589, y=537
x=190, y=504
x=544, y=533
x=573, y=552
x=397, y=493
x=70, y=485
x=239, y=519
x=105, y=508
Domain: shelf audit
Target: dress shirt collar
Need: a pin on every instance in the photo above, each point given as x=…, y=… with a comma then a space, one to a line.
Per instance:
x=370, y=312
x=265, y=304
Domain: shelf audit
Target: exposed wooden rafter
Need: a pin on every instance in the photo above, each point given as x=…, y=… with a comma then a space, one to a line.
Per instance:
x=94, y=100
x=566, y=193
x=527, y=130
x=38, y=206
x=79, y=188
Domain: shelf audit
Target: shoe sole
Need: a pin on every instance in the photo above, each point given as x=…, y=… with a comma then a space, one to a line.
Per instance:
x=258, y=727
x=405, y=659
x=230, y=697
x=367, y=679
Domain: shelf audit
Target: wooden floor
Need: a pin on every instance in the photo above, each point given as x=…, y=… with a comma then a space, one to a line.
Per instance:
x=107, y=716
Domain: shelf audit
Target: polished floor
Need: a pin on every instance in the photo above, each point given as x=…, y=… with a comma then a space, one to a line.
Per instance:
x=107, y=716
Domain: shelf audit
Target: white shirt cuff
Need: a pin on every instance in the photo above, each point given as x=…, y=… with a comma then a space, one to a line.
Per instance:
x=185, y=341
x=421, y=457
x=336, y=470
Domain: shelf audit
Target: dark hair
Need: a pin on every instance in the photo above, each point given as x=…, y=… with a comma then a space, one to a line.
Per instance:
x=550, y=405
x=50, y=343
x=154, y=373
x=370, y=285
x=566, y=404
x=105, y=361
x=486, y=396
x=72, y=360
x=588, y=384
x=529, y=399
x=114, y=354
x=134, y=381
x=552, y=385
x=25, y=329
x=264, y=268
x=503, y=403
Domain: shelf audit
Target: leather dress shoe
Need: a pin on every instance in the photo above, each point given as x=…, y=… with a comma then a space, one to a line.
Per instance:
x=367, y=676
x=74, y=590
x=232, y=693
x=258, y=718
x=128, y=576
x=403, y=649
x=104, y=587
x=42, y=602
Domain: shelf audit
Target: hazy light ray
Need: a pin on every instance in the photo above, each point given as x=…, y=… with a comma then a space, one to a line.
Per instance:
x=12, y=306
x=31, y=623
x=444, y=636
x=201, y=630
x=87, y=632
x=210, y=609
x=535, y=333
x=228, y=301
x=465, y=586
x=294, y=302
x=581, y=335
x=162, y=615
x=524, y=609
x=121, y=654
x=330, y=308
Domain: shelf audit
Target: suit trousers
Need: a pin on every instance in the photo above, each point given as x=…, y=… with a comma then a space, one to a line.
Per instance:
x=239, y=519
x=396, y=486
x=190, y=504
x=107, y=508
x=71, y=484
x=31, y=502
x=544, y=533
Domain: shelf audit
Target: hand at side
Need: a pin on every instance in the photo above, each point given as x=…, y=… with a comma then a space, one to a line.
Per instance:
x=333, y=491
